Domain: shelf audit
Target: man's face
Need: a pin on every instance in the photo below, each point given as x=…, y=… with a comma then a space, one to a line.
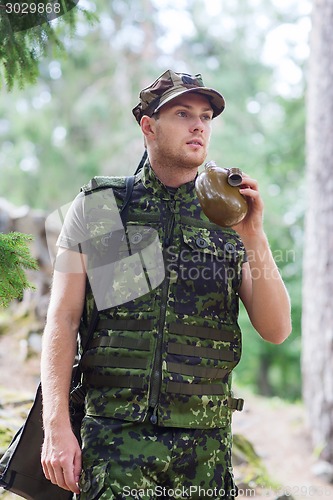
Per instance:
x=182, y=131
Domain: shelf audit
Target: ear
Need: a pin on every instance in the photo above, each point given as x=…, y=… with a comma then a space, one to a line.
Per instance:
x=147, y=125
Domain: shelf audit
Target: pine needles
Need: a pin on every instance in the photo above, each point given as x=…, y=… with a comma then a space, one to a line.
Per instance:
x=15, y=258
x=25, y=39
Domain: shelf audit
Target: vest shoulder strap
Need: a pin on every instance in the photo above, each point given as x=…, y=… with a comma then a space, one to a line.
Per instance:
x=104, y=182
x=101, y=182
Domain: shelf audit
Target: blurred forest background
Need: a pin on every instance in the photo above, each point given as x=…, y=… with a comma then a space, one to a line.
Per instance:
x=76, y=122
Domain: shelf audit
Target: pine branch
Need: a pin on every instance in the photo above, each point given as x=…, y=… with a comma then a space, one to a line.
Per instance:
x=15, y=258
x=24, y=40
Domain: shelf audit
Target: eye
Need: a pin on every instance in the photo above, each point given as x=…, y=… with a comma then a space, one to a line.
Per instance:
x=207, y=117
x=182, y=114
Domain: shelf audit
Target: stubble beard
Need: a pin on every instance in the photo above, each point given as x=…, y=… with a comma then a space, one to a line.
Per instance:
x=177, y=161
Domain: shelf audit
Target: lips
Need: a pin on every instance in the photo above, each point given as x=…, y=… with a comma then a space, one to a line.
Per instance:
x=195, y=142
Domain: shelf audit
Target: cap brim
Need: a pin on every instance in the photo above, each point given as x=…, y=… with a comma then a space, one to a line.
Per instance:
x=216, y=99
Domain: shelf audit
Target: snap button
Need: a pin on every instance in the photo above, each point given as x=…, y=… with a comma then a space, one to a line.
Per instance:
x=86, y=486
x=84, y=483
x=136, y=238
x=105, y=240
x=230, y=248
x=201, y=243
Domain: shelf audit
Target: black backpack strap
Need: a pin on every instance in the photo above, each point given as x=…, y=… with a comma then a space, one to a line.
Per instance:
x=142, y=162
x=129, y=185
x=76, y=377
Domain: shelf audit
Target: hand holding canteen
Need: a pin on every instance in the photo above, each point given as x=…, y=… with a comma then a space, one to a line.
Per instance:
x=219, y=195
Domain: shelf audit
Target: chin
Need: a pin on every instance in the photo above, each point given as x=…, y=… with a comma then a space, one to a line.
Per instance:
x=190, y=165
x=197, y=160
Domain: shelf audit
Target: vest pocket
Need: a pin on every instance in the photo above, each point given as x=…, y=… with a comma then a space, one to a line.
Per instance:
x=201, y=412
x=125, y=269
x=208, y=275
x=92, y=482
x=197, y=373
x=117, y=367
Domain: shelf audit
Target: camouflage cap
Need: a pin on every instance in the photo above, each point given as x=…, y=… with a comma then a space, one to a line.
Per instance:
x=170, y=85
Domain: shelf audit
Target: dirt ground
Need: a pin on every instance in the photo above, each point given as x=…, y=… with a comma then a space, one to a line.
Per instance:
x=276, y=429
x=279, y=434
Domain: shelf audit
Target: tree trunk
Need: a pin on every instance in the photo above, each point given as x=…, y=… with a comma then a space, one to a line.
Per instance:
x=317, y=320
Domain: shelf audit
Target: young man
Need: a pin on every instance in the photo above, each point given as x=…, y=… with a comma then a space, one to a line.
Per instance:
x=157, y=373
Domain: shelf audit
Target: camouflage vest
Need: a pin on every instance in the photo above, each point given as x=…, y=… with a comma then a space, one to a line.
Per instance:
x=173, y=347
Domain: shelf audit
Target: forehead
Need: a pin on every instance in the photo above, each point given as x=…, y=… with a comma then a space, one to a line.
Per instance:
x=189, y=100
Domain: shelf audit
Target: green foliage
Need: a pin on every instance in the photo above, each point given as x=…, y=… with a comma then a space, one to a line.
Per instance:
x=261, y=132
x=15, y=258
x=267, y=369
x=76, y=122
x=21, y=48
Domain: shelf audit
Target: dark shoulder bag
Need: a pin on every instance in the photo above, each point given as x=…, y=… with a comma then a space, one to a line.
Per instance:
x=20, y=467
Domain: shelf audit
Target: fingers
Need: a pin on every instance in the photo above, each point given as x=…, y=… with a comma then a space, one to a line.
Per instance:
x=250, y=189
x=61, y=460
x=248, y=182
x=56, y=475
x=250, y=192
x=60, y=478
x=252, y=224
x=71, y=480
x=66, y=477
x=77, y=467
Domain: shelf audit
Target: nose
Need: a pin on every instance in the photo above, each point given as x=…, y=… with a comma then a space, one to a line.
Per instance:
x=197, y=125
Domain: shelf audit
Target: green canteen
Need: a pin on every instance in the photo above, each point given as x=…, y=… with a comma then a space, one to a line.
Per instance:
x=219, y=195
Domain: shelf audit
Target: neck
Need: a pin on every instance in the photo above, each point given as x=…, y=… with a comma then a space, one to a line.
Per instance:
x=174, y=176
x=175, y=180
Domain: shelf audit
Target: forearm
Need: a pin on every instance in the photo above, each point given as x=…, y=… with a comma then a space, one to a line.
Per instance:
x=60, y=338
x=59, y=348
x=61, y=454
x=268, y=304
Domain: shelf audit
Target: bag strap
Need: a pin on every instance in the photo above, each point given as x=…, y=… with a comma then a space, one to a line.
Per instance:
x=142, y=162
x=76, y=375
x=129, y=185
